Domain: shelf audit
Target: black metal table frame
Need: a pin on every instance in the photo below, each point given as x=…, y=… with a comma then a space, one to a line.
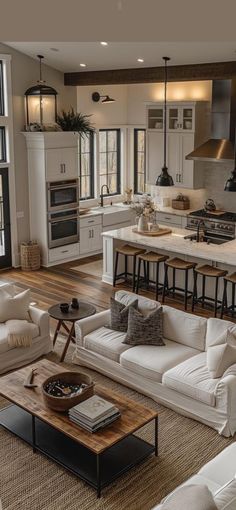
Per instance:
x=98, y=485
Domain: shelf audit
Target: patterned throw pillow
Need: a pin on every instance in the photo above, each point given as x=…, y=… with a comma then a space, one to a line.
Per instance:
x=120, y=314
x=145, y=330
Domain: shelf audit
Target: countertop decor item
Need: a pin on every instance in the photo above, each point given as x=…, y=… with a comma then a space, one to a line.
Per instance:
x=181, y=202
x=153, y=233
x=165, y=179
x=210, y=205
x=41, y=102
x=66, y=389
x=75, y=121
x=143, y=205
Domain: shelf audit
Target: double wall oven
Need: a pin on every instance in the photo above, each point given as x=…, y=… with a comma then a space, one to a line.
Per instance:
x=63, y=212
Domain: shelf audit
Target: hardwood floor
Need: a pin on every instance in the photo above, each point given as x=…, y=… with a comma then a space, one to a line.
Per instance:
x=61, y=283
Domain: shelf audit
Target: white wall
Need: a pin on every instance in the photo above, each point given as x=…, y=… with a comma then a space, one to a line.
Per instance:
x=25, y=73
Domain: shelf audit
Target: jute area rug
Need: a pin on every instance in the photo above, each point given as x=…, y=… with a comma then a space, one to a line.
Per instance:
x=32, y=482
x=93, y=268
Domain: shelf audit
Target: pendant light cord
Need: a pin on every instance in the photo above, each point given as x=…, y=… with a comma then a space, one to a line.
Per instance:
x=165, y=107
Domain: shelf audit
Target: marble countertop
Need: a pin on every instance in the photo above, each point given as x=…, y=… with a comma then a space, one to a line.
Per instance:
x=107, y=209
x=176, y=244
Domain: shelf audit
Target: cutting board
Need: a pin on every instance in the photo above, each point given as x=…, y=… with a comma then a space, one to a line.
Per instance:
x=149, y=233
x=217, y=212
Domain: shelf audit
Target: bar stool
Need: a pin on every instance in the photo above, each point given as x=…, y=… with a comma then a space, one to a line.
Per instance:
x=153, y=258
x=207, y=271
x=225, y=308
x=127, y=251
x=181, y=265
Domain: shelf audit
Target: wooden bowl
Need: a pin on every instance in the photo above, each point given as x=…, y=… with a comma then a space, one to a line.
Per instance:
x=62, y=404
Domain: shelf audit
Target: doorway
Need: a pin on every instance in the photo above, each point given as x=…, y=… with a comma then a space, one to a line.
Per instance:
x=5, y=226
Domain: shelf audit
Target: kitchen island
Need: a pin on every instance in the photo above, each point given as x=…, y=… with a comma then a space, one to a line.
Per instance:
x=173, y=245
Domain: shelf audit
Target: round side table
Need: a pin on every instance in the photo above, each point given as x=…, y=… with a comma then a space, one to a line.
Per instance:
x=73, y=315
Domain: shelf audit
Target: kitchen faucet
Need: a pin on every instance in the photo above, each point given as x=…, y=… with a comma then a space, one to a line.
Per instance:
x=200, y=223
x=102, y=195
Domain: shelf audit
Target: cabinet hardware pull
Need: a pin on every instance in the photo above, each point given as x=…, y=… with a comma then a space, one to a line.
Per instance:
x=177, y=178
x=64, y=251
x=89, y=234
x=61, y=171
x=90, y=221
x=92, y=233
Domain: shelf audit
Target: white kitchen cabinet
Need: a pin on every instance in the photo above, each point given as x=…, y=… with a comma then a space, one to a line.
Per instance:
x=90, y=239
x=171, y=220
x=61, y=164
x=187, y=127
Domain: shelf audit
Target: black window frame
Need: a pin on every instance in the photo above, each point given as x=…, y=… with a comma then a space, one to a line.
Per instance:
x=91, y=174
x=136, y=131
x=2, y=106
x=3, y=144
x=118, y=160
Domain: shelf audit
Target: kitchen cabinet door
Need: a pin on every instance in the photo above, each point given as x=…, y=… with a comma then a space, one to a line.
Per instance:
x=96, y=238
x=90, y=239
x=85, y=240
x=155, y=142
x=61, y=164
x=187, y=166
x=173, y=156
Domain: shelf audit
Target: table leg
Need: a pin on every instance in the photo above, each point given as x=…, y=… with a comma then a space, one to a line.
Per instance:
x=68, y=331
x=33, y=435
x=98, y=477
x=156, y=436
x=56, y=332
x=71, y=334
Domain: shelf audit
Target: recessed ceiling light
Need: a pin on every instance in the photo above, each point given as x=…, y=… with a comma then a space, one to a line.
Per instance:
x=104, y=43
x=54, y=49
x=140, y=60
x=82, y=65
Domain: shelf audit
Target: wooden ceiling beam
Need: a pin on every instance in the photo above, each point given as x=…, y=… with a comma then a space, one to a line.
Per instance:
x=212, y=71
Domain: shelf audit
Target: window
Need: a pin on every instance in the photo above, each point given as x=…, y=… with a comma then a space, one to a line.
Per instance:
x=2, y=144
x=109, y=159
x=1, y=90
x=139, y=160
x=86, y=166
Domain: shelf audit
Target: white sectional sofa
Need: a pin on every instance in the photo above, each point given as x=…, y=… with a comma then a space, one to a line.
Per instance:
x=176, y=374
x=11, y=358
x=219, y=476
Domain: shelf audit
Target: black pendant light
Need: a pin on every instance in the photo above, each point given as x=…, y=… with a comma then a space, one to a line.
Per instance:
x=230, y=184
x=165, y=179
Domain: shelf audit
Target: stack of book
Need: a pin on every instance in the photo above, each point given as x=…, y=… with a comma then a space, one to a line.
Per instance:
x=94, y=413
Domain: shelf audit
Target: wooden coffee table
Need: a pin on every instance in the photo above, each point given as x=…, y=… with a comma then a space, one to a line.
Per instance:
x=97, y=458
x=73, y=315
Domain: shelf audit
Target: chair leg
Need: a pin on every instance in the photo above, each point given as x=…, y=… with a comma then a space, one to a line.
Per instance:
x=186, y=290
x=145, y=273
x=157, y=280
x=126, y=267
x=116, y=266
x=194, y=289
x=138, y=277
x=203, y=290
x=173, y=291
x=165, y=284
x=216, y=296
x=223, y=305
x=233, y=298
x=134, y=272
x=148, y=275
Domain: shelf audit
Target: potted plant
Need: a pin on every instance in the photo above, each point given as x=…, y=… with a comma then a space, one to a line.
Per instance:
x=75, y=121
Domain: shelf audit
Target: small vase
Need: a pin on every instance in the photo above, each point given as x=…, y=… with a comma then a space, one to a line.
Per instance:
x=142, y=223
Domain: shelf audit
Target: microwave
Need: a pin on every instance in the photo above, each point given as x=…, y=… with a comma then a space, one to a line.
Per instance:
x=62, y=195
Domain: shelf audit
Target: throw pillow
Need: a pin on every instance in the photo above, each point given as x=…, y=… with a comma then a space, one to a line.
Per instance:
x=14, y=307
x=219, y=358
x=120, y=314
x=145, y=330
x=194, y=497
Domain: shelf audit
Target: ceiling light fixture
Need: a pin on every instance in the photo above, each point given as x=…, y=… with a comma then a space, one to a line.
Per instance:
x=106, y=99
x=165, y=179
x=104, y=43
x=83, y=65
x=140, y=60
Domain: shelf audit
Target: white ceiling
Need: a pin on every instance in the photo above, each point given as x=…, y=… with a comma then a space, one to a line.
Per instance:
x=122, y=55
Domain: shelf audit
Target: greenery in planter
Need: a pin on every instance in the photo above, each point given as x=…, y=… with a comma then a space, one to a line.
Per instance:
x=73, y=121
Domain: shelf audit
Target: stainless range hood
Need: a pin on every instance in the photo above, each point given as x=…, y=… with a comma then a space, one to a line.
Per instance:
x=220, y=147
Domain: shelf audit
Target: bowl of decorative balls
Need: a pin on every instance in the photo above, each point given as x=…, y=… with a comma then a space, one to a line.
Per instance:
x=66, y=389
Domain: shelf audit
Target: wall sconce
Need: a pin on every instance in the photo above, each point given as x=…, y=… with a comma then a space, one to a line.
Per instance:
x=41, y=101
x=106, y=99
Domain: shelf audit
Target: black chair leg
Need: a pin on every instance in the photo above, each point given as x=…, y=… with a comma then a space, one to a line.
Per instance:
x=138, y=276
x=186, y=290
x=223, y=304
x=233, y=298
x=115, y=271
x=126, y=267
x=216, y=296
x=148, y=276
x=157, y=280
x=203, y=290
x=134, y=272
x=145, y=273
x=194, y=297
x=165, y=284
x=173, y=290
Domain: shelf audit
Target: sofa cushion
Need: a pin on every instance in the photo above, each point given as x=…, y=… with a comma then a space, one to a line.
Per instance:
x=184, y=328
x=192, y=378
x=216, y=327
x=152, y=361
x=222, y=468
x=120, y=315
x=14, y=307
x=219, y=358
x=4, y=346
x=145, y=305
x=144, y=330
x=225, y=498
x=196, y=497
x=106, y=342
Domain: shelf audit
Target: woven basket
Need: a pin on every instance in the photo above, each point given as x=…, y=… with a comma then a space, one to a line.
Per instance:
x=180, y=204
x=30, y=256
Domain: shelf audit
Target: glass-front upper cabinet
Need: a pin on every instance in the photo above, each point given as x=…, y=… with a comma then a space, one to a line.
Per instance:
x=179, y=117
x=155, y=118
x=188, y=119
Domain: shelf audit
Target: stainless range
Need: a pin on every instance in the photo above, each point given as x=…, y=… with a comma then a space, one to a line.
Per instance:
x=218, y=229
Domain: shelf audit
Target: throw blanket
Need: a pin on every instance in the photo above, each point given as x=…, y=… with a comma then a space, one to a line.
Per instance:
x=19, y=333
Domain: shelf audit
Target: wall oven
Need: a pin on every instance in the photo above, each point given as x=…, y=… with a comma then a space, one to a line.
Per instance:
x=63, y=227
x=62, y=195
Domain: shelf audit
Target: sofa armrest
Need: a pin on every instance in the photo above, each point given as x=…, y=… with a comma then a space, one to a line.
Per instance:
x=89, y=324
x=225, y=393
x=41, y=319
